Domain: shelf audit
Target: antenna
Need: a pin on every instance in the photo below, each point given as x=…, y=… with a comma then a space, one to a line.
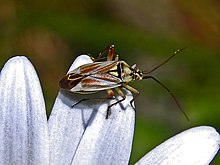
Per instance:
x=168, y=59
x=169, y=91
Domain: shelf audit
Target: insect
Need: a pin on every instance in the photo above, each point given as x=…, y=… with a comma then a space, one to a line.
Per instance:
x=112, y=74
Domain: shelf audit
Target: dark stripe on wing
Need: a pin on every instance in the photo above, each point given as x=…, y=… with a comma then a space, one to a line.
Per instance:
x=99, y=81
x=106, y=68
x=70, y=80
x=106, y=77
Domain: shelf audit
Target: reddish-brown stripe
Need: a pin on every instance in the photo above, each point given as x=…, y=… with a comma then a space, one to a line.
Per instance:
x=106, y=77
x=89, y=67
x=90, y=82
x=107, y=68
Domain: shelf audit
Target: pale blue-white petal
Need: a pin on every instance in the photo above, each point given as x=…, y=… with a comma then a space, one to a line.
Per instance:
x=23, y=124
x=82, y=135
x=196, y=146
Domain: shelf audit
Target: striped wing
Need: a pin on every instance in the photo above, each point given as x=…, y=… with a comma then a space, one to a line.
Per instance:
x=95, y=67
x=92, y=77
x=96, y=82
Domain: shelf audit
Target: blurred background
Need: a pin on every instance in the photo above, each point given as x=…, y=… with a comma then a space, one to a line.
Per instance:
x=53, y=33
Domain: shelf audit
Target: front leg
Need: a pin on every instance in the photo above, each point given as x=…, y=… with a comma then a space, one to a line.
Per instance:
x=133, y=90
x=109, y=107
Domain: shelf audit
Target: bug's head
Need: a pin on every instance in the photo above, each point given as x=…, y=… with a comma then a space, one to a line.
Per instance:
x=136, y=73
x=130, y=73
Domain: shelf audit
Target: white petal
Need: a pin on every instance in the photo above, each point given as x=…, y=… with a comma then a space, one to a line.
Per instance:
x=82, y=135
x=23, y=123
x=108, y=141
x=81, y=60
x=196, y=146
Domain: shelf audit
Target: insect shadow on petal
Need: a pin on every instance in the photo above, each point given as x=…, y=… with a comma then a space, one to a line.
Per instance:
x=108, y=75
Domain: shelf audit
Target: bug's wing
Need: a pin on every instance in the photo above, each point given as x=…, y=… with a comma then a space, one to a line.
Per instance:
x=91, y=77
x=95, y=67
x=97, y=82
x=70, y=80
x=106, y=67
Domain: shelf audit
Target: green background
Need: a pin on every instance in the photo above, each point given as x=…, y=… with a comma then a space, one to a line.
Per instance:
x=53, y=33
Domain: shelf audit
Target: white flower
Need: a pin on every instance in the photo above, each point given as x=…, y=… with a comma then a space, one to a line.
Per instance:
x=80, y=135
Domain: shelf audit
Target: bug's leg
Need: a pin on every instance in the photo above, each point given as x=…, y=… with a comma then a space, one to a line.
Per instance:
x=111, y=94
x=111, y=53
x=78, y=102
x=109, y=49
x=109, y=107
x=133, y=90
x=116, y=57
x=86, y=99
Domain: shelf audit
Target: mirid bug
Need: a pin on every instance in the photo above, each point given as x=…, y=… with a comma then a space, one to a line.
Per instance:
x=108, y=75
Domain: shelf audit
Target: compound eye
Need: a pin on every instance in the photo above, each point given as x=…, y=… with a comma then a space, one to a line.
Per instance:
x=136, y=76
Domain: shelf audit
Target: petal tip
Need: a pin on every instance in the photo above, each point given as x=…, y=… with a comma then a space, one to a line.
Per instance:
x=17, y=60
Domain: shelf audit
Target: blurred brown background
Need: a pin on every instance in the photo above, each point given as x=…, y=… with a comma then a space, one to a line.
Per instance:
x=52, y=33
